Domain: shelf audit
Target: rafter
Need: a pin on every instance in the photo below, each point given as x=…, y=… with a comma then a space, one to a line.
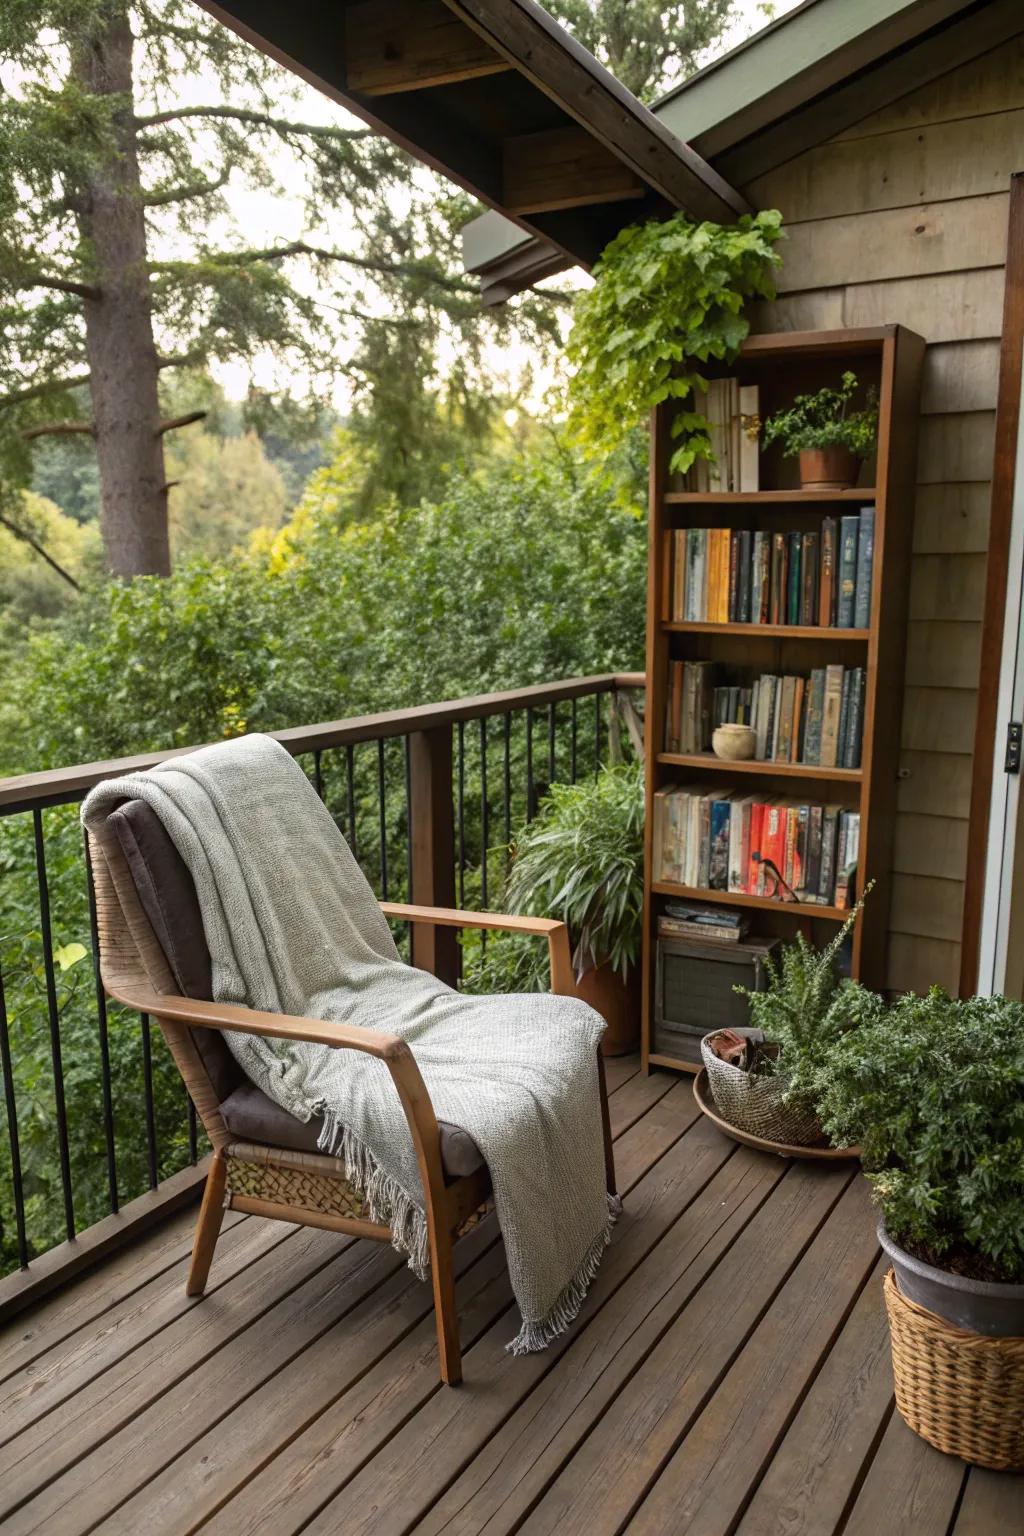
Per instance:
x=563, y=168
x=411, y=45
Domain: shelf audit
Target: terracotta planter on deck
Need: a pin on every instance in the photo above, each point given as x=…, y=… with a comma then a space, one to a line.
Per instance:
x=618, y=1003
x=827, y=469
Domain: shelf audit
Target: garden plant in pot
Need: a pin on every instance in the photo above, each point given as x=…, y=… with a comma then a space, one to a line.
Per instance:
x=932, y=1089
x=581, y=860
x=828, y=436
x=765, y=1083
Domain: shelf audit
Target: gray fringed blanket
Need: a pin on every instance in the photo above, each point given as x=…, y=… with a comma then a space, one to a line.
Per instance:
x=293, y=927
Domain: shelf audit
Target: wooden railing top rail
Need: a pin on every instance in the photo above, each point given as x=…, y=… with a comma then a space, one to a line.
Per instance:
x=59, y=786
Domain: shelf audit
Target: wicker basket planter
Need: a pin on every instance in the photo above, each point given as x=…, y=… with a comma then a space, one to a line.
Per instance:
x=756, y=1104
x=962, y=1392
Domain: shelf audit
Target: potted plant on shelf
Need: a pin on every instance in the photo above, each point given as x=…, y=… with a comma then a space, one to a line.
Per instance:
x=933, y=1091
x=765, y=1083
x=581, y=860
x=829, y=438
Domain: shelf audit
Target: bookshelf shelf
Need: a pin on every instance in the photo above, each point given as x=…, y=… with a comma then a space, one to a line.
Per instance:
x=707, y=760
x=740, y=899
x=767, y=498
x=768, y=631
x=888, y=359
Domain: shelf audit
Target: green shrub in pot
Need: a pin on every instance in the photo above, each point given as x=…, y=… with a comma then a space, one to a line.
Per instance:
x=932, y=1090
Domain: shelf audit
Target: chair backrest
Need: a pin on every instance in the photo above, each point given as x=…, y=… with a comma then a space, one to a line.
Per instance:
x=167, y=896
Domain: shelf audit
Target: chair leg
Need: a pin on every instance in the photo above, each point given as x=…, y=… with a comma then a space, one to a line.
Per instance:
x=442, y=1273
x=211, y=1214
x=606, y=1125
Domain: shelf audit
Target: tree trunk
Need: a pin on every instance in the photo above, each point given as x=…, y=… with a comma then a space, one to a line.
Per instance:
x=120, y=348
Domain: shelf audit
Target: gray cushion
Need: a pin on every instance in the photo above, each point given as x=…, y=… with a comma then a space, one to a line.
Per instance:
x=251, y=1116
x=169, y=901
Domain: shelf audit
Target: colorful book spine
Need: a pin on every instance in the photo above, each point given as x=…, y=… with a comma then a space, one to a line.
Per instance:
x=865, y=561
x=793, y=578
x=847, y=572
x=827, y=585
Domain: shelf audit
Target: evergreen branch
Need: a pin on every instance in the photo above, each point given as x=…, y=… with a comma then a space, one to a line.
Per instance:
x=49, y=386
x=182, y=359
x=58, y=429
x=60, y=285
x=184, y=193
x=254, y=119
x=174, y=422
x=321, y=253
x=22, y=533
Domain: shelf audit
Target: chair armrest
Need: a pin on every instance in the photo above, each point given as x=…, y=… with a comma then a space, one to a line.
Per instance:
x=556, y=933
x=279, y=1026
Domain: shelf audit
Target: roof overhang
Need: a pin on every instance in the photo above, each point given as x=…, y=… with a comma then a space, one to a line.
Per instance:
x=498, y=97
x=812, y=73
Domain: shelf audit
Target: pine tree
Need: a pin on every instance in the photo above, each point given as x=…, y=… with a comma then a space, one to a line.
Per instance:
x=647, y=44
x=105, y=160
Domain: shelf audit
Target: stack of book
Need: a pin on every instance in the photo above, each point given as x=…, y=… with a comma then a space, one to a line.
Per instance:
x=816, y=720
x=733, y=412
x=716, y=840
x=739, y=576
x=719, y=925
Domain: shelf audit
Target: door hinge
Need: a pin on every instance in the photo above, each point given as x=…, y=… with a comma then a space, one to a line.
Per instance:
x=1014, y=738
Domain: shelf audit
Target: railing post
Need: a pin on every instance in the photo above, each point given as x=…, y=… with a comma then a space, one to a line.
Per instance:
x=432, y=836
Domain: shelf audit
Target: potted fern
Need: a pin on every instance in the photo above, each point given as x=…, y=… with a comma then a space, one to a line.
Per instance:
x=829, y=437
x=581, y=860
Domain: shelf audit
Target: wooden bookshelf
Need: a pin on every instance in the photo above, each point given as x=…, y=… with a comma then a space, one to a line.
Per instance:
x=784, y=365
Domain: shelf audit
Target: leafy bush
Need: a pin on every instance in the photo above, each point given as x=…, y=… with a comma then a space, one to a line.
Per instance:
x=824, y=420
x=932, y=1090
x=667, y=295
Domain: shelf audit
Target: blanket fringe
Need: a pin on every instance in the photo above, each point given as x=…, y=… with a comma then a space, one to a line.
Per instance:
x=387, y=1201
x=537, y=1335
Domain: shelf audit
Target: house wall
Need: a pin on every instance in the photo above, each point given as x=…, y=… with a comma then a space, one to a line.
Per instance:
x=903, y=218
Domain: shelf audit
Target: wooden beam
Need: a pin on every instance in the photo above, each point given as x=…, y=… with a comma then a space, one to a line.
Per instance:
x=563, y=168
x=410, y=45
x=432, y=833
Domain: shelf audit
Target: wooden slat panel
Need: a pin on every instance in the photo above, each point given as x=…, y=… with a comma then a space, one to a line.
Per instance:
x=406, y=45
x=931, y=845
x=898, y=242
x=960, y=376
x=915, y=964
x=896, y=170
x=929, y=908
x=910, y=1490
x=952, y=519
x=958, y=446
x=994, y=82
x=956, y=306
x=941, y=654
x=990, y=1506
x=938, y=720
x=934, y=783
x=947, y=586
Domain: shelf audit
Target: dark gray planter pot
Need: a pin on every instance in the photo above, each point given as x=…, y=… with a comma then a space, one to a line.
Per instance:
x=979, y=1306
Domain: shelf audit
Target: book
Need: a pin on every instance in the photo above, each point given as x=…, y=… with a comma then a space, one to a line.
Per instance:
x=815, y=710
x=739, y=842
x=718, y=843
x=830, y=716
x=809, y=577
x=844, y=718
x=780, y=560
x=697, y=933
x=846, y=571
x=865, y=560
x=784, y=735
x=849, y=849
x=679, y=574
x=793, y=578
x=829, y=831
x=763, y=719
x=812, y=867
x=852, y=739
x=755, y=874
x=796, y=745
x=760, y=578
x=734, y=577
x=695, y=562
x=745, y=560
x=750, y=411
x=665, y=611
x=826, y=588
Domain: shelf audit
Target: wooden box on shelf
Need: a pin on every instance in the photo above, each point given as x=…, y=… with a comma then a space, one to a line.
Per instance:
x=863, y=787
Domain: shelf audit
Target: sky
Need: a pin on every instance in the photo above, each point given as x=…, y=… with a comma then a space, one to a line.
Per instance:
x=267, y=218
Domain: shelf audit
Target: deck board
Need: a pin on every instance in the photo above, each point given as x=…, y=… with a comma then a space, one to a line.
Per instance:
x=729, y=1373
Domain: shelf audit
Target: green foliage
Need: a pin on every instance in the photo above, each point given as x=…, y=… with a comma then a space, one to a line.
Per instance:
x=667, y=296
x=29, y=588
x=932, y=1090
x=805, y=1009
x=224, y=489
x=824, y=420
x=647, y=44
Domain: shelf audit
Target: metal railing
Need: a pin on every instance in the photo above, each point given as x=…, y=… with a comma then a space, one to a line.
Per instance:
x=98, y=1127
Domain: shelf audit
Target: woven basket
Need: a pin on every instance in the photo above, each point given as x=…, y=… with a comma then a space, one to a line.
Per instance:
x=962, y=1392
x=756, y=1104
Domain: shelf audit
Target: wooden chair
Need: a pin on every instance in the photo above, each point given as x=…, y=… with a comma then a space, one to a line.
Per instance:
x=145, y=901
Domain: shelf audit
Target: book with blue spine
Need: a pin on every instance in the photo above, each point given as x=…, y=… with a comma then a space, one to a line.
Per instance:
x=865, y=560
x=846, y=575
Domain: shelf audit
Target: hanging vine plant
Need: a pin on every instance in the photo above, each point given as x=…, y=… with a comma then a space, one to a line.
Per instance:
x=667, y=297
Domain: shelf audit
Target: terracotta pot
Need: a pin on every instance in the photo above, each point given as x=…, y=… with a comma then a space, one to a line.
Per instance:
x=618, y=1003
x=827, y=469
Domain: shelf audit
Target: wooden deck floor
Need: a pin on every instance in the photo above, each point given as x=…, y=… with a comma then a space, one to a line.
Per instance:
x=730, y=1373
